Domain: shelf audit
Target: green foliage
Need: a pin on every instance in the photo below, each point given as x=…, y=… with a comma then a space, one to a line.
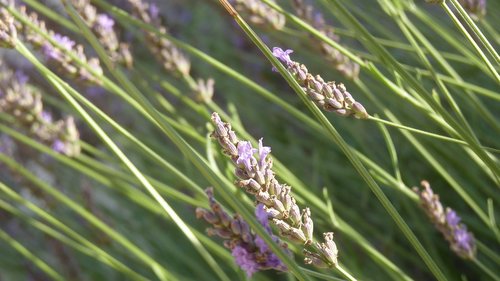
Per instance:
x=125, y=207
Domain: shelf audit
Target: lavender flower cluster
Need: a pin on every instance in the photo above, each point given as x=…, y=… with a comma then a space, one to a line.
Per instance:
x=447, y=222
x=346, y=67
x=58, y=55
x=254, y=170
x=22, y=102
x=8, y=32
x=249, y=250
x=326, y=95
x=259, y=13
x=173, y=59
x=103, y=25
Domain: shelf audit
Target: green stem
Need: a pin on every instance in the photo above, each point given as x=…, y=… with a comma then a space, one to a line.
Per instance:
x=429, y=134
x=337, y=138
x=47, y=269
x=472, y=25
x=480, y=52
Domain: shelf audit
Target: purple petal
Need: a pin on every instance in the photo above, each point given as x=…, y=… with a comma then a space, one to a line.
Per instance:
x=284, y=56
x=105, y=22
x=452, y=218
x=245, y=260
x=263, y=152
x=58, y=146
x=245, y=154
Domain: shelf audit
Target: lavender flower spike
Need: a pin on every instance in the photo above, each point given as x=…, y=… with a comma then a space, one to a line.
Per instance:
x=326, y=95
x=256, y=177
x=8, y=32
x=447, y=222
x=260, y=13
x=24, y=103
x=58, y=55
x=103, y=26
x=343, y=64
x=249, y=250
x=172, y=58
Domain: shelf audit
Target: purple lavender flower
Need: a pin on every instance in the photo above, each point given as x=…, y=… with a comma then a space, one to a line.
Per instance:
x=452, y=218
x=263, y=152
x=53, y=53
x=245, y=260
x=154, y=11
x=46, y=116
x=283, y=56
x=105, y=22
x=59, y=146
x=249, y=250
x=21, y=77
x=262, y=216
x=464, y=240
x=461, y=241
x=245, y=154
x=329, y=96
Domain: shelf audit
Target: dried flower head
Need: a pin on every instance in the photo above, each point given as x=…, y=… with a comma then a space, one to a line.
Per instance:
x=326, y=95
x=342, y=63
x=8, y=32
x=249, y=250
x=168, y=54
x=103, y=26
x=475, y=8
x=58, y=54
x=172, y=58
x=256, y=177
x=24, y=104
x=447, y=222
x=259, y=13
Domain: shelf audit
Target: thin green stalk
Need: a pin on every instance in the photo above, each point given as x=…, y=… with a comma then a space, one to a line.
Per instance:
x=433, y=135
x=51, y=14
x=483, y=111
x=47, y=269
x=348, y=19
x=94, y=252
x=185, y=148
x=486, y=249
x=469, y=38
x=392, y=152
x=472, y=25
x=355, y=161
x=449, y=37
x=462, y=84
x=57, y=223
x=493, y=33
x=159, y=270
x=437, y=166
x=486, y=270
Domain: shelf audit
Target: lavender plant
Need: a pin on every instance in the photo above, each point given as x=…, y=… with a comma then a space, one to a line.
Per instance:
x=56, y=54
x=103, y=25
x=250, y=252
x=260, y=14
x=257, y=178
x=327, y=95
x=173, y=59
x=123, y=209
x=346, y=67
x=447, y=222
x=23, y=103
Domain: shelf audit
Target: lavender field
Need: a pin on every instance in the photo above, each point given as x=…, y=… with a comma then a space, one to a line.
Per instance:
x=249, y=140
